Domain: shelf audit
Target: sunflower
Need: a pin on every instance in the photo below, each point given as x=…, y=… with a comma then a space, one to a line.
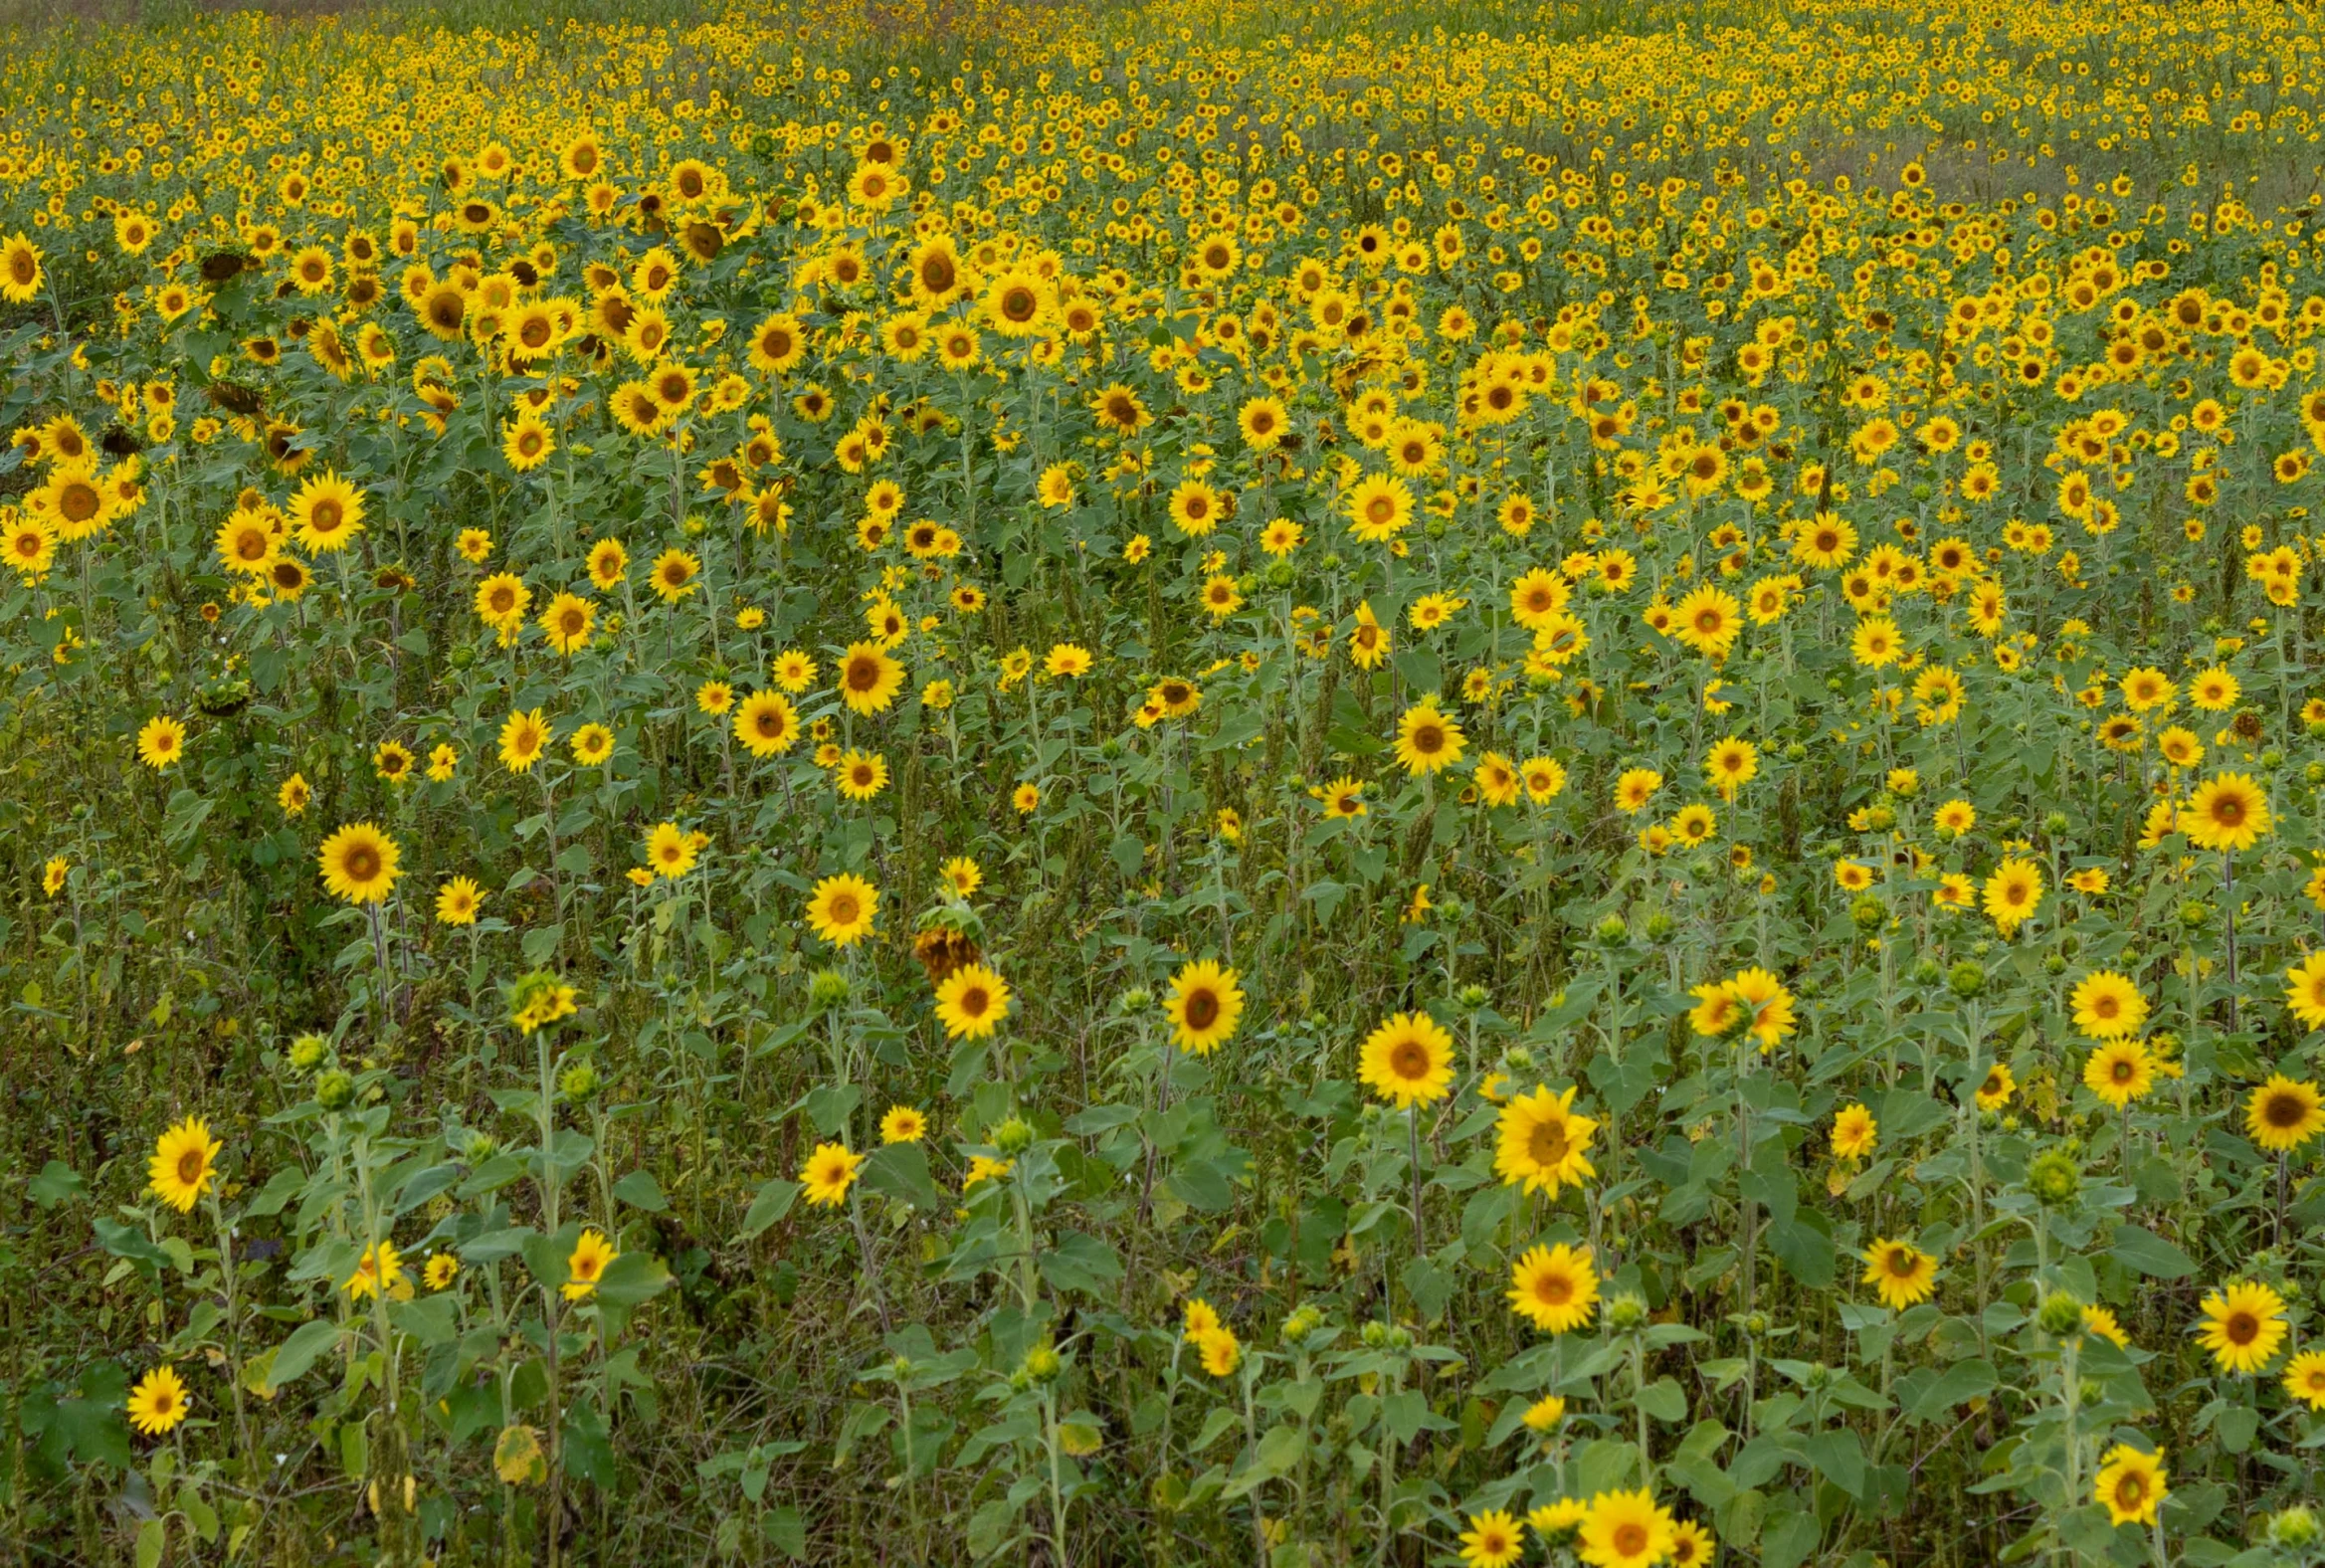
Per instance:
x=1556, y=1288
x=1408, y=1061
x=841, y=908
x=1731, y=764
x=1378, y=509
x=501, y=600
x=457, y=900
x=1825, y=542
x=2285, y=1113
x=20, y=269
x=2120, y=1071
x=1876, y=643
x=670, y=850
x=1204, y=1006
x=183, y=1163
x=287, y=578
x=1624, y=1530
x=591, y=745
x=393, y=761
x=766, y=723
x=1220, y=1350
x=527, y=442
x=1709, y=619
x=586, y=1265
x=2214, y=691
x=1901, y=1273
x=2131, y=1485
x=860, y=775
x=609, y=563
x=1766, y=1005
x=1693, y=1545
x=2244, y=1326
x=673, y=575
x=327, y=512
x=246, y=543
x=73, y=500
x=868, y=678
x=903, y=1125
x=971, y=1002
x=1994, y=1090
x=2304, y=990
x=2227, y=813
x=1854, y=1133
x=1542, y=1144
x=2013, y=893
x=777, y=344
x=1194, y=508
x=360, y=864
x=31, y=546
x=1426, y=740
x=1492, y=1540
x=162, y=743
x=2304, y=1378
x=159, y=1402
x=524, y=737
x=1537, y=596
x=381, y=1266
x=1264, y=421
x=827, y=1174
x=2108, y=1006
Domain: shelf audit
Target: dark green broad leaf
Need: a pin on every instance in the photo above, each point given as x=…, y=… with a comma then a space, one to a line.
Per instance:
x=1075, y=1262
x=2149, y=1254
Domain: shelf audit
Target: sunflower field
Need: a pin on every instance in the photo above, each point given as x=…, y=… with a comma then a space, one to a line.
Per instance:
x=1410, y=782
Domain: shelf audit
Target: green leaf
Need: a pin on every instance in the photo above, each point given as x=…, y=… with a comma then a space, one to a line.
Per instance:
x=1958, y=1384
x=1075, y=1262
x=901, y=1171
x=1840, y=1458
x=301, y=1350
x=127, y=1241
x=425, y=1185
x=2149, y=1254
x=152, y=1536
x=774, y=1201
x=57, y=1182
x=1278, y=1451
x=1804, y=1244
x=493, y=1245
x=785, y=1532
x=631, y=1278
x=281, y=1188
x=1664, y=1400
x=640, y=1190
